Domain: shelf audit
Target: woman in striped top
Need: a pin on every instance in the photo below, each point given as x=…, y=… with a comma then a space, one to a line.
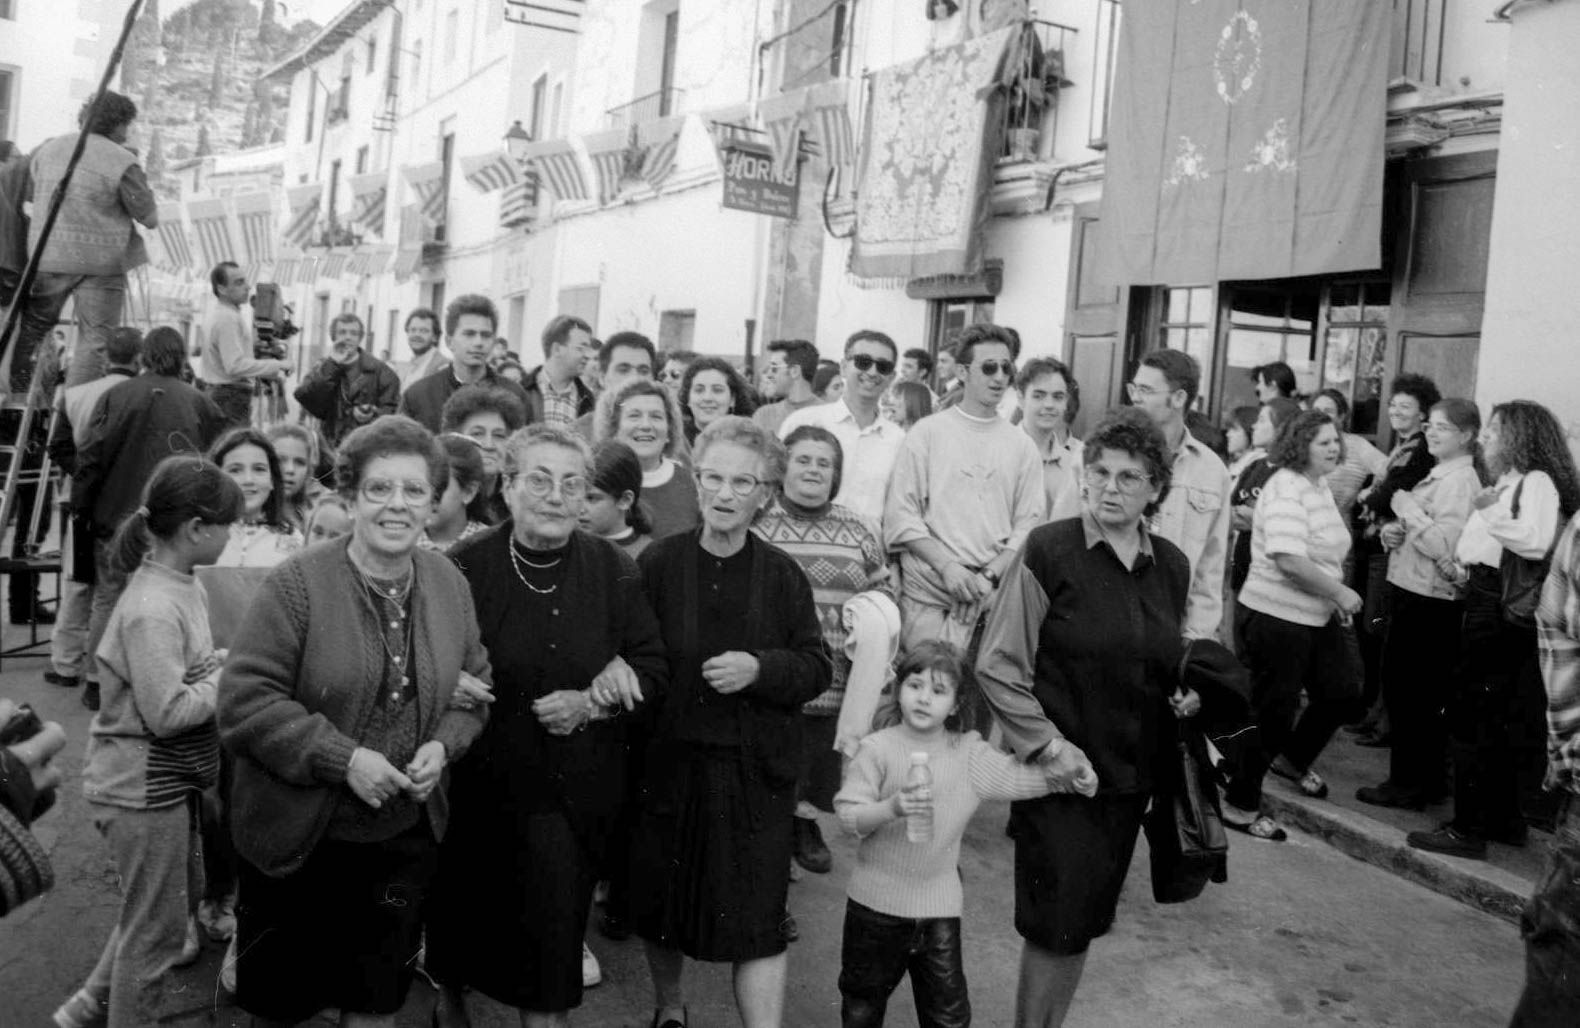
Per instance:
x=1295, y=609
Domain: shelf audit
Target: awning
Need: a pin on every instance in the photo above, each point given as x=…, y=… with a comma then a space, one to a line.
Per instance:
x=1245, y=144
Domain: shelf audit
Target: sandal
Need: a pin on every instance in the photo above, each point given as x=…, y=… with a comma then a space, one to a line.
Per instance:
x=1263, y=827
x=1308, y=782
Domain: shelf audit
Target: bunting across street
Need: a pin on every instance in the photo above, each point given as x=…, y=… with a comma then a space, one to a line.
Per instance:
x=304, y=202
x=427, y=183
x=172, y=235
x=660, y=139
x=369, y=193
x=607, y=151
x=211, y=225
x=491, y=171
x=560, y=168
x=255, y=217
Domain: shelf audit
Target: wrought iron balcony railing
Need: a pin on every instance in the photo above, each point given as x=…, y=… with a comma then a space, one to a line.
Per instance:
x=659, y=104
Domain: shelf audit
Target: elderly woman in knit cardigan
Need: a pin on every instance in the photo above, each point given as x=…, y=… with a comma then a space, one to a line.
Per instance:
x=342, y=702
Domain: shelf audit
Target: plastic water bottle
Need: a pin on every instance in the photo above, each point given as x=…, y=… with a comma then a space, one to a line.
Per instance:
x=919, y=827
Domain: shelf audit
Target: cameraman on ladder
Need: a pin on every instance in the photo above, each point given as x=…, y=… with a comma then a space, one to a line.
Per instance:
x=229, y=365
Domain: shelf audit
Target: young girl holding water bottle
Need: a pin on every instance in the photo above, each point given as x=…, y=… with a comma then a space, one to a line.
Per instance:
x=908, y=794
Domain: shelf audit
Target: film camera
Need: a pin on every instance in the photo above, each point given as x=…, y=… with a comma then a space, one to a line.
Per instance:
x=271, y=322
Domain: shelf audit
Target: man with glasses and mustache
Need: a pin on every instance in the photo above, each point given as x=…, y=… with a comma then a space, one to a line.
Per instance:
x=966, y=491
x=1195, y=514
x=869, y=441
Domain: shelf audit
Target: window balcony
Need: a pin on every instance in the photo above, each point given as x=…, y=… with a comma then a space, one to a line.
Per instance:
x=655, y=105
x=1031, y=111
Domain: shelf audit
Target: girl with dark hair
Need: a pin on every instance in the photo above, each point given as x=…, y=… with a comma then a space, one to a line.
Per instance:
x=1273, y=381
x=456, y=514
x=1497, y=711
x=1294, y=612
x=906, y=403
x=614, y=510
x=265, y=535
x=1237, y=429
x=903, y=906
x=827, y=382
x=1427, y=612
x=153, y=748
x=1270, y=420
x=1362, y=460
x=713, y=389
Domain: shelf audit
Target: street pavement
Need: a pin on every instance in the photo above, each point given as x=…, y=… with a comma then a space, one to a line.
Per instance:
x=1300, y=935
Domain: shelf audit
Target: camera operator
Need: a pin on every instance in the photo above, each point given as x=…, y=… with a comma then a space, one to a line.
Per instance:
x=229, y=365
x=28, y=781
x=350, y=387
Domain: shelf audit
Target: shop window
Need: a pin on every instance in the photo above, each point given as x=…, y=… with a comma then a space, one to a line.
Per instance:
x=1187, y=324
x=945, y=318
x=1355, y=348
x=1267, y=324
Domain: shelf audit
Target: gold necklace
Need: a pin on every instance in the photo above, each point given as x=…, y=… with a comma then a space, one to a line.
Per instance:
x=516, y=560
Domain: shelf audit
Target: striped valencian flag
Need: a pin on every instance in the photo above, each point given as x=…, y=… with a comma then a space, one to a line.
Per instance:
x=304, y=203
x=427, y=183
x=490, y=171
x=255, y=217
x=607, y=152
x=173, y=240
x=518, y=204
x=378, y=258
x=285, y=271
x=782, y=117
x=831, y=123
x=559, y=168
x=661, y=139
x=307, y=267
x=357, y=263
x=369, y=193
x=334, y=263
x=211, y=224
x=407, y=260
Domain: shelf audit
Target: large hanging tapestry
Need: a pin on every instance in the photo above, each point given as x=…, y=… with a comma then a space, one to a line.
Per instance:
x=1245, y=141
x=932, y=135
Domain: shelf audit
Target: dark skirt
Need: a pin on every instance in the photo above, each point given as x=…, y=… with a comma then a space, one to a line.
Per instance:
x=508, y=916
x=821, y=770
x=710, y=860
x=341, y=931
x=1071, y=858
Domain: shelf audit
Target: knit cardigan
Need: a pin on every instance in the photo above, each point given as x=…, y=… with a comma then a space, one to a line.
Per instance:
x=298, y=687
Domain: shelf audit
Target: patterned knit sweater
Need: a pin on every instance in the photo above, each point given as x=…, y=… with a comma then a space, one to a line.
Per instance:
x=840, y=557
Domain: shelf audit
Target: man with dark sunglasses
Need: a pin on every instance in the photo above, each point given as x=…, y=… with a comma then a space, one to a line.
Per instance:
x=966, y=491
x=868, y=441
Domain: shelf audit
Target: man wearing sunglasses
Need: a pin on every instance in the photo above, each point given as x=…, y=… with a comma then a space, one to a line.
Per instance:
x=868, y=441
x=1195, y=514
x=967, y=490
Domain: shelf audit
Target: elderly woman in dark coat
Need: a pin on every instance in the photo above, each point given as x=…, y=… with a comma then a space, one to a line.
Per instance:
x=1079, y=662
x=745, y=653
x=342, y=703
x=576, y=653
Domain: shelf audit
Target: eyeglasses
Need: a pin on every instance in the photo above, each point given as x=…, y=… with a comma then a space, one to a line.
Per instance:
x=1144, y=391
x=1127, y=480
x=539, y=486
x=382, y=490
x=740, y=485
x=863, y=362
x=991, y=368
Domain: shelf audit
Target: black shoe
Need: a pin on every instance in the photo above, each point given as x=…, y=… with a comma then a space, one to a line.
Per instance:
x=90, y=696
x=789, y=929
x=614, y=927
x=1449, y=841
x=64, y=681
x=1389, y=795
x=810, y=850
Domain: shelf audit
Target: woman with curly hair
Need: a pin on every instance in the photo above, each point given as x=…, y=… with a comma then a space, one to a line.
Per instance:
x=1080, y=662
x=488, y=415
x=713, y=389
x=1497, y=712
x=1294, y=610
x=645, y=416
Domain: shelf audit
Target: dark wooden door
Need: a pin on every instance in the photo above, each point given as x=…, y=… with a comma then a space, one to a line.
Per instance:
x=1094, y=319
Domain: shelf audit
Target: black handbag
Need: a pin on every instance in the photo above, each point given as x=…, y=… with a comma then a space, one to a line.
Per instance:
x=1184, y=826
x=1523, y=578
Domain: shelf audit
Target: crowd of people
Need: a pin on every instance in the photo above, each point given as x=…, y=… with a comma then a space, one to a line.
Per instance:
x=415, y=683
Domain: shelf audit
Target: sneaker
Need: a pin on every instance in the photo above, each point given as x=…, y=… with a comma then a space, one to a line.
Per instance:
x=1449, y=841
x=592, y=974
x=64, y=681
x=82, y=1010
x=811, y=852
x=218, y=918
x=192, y=948
x=227, y=968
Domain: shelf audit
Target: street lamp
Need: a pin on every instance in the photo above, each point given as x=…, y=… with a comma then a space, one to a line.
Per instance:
x=516, y=140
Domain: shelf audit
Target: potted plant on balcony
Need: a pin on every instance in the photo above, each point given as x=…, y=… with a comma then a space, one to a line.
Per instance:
x=1035, y=78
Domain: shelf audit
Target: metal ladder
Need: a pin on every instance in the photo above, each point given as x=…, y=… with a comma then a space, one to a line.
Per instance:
x=45, y=480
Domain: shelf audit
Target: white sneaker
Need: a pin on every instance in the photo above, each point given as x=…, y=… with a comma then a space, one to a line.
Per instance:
x=193, y=947
x=82, y=1010
x=218, y=918
x=227, y=968
x=592, y=974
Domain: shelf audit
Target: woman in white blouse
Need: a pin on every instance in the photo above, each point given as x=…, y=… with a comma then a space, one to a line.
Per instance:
x=1496, y=716
x=1419, y=655
x=1295, y=610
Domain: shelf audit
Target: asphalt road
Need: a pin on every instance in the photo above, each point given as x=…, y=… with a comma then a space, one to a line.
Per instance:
x=1300, y=935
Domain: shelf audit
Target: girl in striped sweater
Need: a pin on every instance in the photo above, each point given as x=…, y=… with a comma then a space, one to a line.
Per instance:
x=154, y=746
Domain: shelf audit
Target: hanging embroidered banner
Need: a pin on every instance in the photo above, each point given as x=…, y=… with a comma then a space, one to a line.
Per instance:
x=304, y=204
x=660, y=138
x=559, y=168
x=172, y=236
x=927, y=163
x=211, y=224
x=490, y=171
x=369, y=193
x=255, y=217
x=1245, y=144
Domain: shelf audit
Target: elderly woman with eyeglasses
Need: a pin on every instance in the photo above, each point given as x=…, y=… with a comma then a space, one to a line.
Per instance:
x=1079, y=662
x=713, y=839
x=575, y=653
x=342, y=702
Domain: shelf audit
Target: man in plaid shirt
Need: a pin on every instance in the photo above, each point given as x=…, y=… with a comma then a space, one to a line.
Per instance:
x=1551, y=921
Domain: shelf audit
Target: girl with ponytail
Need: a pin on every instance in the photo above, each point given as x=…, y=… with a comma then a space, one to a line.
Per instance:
x=153, y=745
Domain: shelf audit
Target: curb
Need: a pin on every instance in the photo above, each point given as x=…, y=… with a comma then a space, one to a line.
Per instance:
x=1472, y=882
